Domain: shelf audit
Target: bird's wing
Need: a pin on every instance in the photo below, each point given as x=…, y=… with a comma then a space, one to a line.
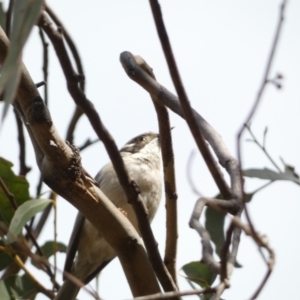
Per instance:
x=93, y=274
x=73, y=243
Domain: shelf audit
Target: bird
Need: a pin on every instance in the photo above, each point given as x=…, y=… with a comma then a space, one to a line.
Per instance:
x=143, y=162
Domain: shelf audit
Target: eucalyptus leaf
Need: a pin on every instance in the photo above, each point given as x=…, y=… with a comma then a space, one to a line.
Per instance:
x=23, y=214
x=17, y=287
x=50, y=248
x=269, y=174
x=25, y=14
x=17, y=185
x=199, y=273
x=214, y=223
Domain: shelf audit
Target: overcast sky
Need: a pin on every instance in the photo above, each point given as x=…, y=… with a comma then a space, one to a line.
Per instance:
x=221, y=48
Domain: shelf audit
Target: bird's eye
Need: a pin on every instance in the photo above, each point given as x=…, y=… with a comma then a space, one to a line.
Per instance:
x=142, y=138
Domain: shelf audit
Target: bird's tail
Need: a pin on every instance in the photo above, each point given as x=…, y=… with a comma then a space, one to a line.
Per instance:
x=68, y=291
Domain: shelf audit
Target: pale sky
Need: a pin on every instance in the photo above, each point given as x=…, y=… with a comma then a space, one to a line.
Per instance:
x=221, y=48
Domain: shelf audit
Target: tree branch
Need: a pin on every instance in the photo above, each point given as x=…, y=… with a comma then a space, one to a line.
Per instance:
x=78, y=111
x=22, y=156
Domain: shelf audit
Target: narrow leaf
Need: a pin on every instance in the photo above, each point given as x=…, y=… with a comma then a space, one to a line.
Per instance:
x=199, y=273
x=17, y=287
x=25, y=14
x=17, y=185
x=23, y=214
x=50, y=248
x=214, y=223
x=272, y=175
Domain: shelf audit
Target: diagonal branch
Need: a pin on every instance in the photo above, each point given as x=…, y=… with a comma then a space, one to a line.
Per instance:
x=78, y=111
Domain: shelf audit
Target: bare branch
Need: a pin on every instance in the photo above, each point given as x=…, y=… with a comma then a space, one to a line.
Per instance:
x=264, y=82
x=262, y=146
x=207, y=249
x=171, y=295
x=265, y=78
x=71, y=128
x=45, y=64
x=262, y=242
x=78, y=111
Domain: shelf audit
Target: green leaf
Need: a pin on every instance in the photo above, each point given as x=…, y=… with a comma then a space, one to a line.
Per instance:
x=17, y=185
x=25, y=14
x=50, y=248
x=214, y=223
x=17, y=287
x=268, y=174
x=199, y=273
x=23, y=214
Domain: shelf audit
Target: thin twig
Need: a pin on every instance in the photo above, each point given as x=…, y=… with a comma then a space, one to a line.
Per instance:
x=264, y=82
x=207, y=249
x=189, y=174
x=170, y=189
x=225, y=251
x=88, y=143
x=78, y=111
x=45, y=64
x=55, y=236
x=262, y=147
x=41, y=83
x=261, y=241
x=24, y=169
x=171, y=295
x=70, y=43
